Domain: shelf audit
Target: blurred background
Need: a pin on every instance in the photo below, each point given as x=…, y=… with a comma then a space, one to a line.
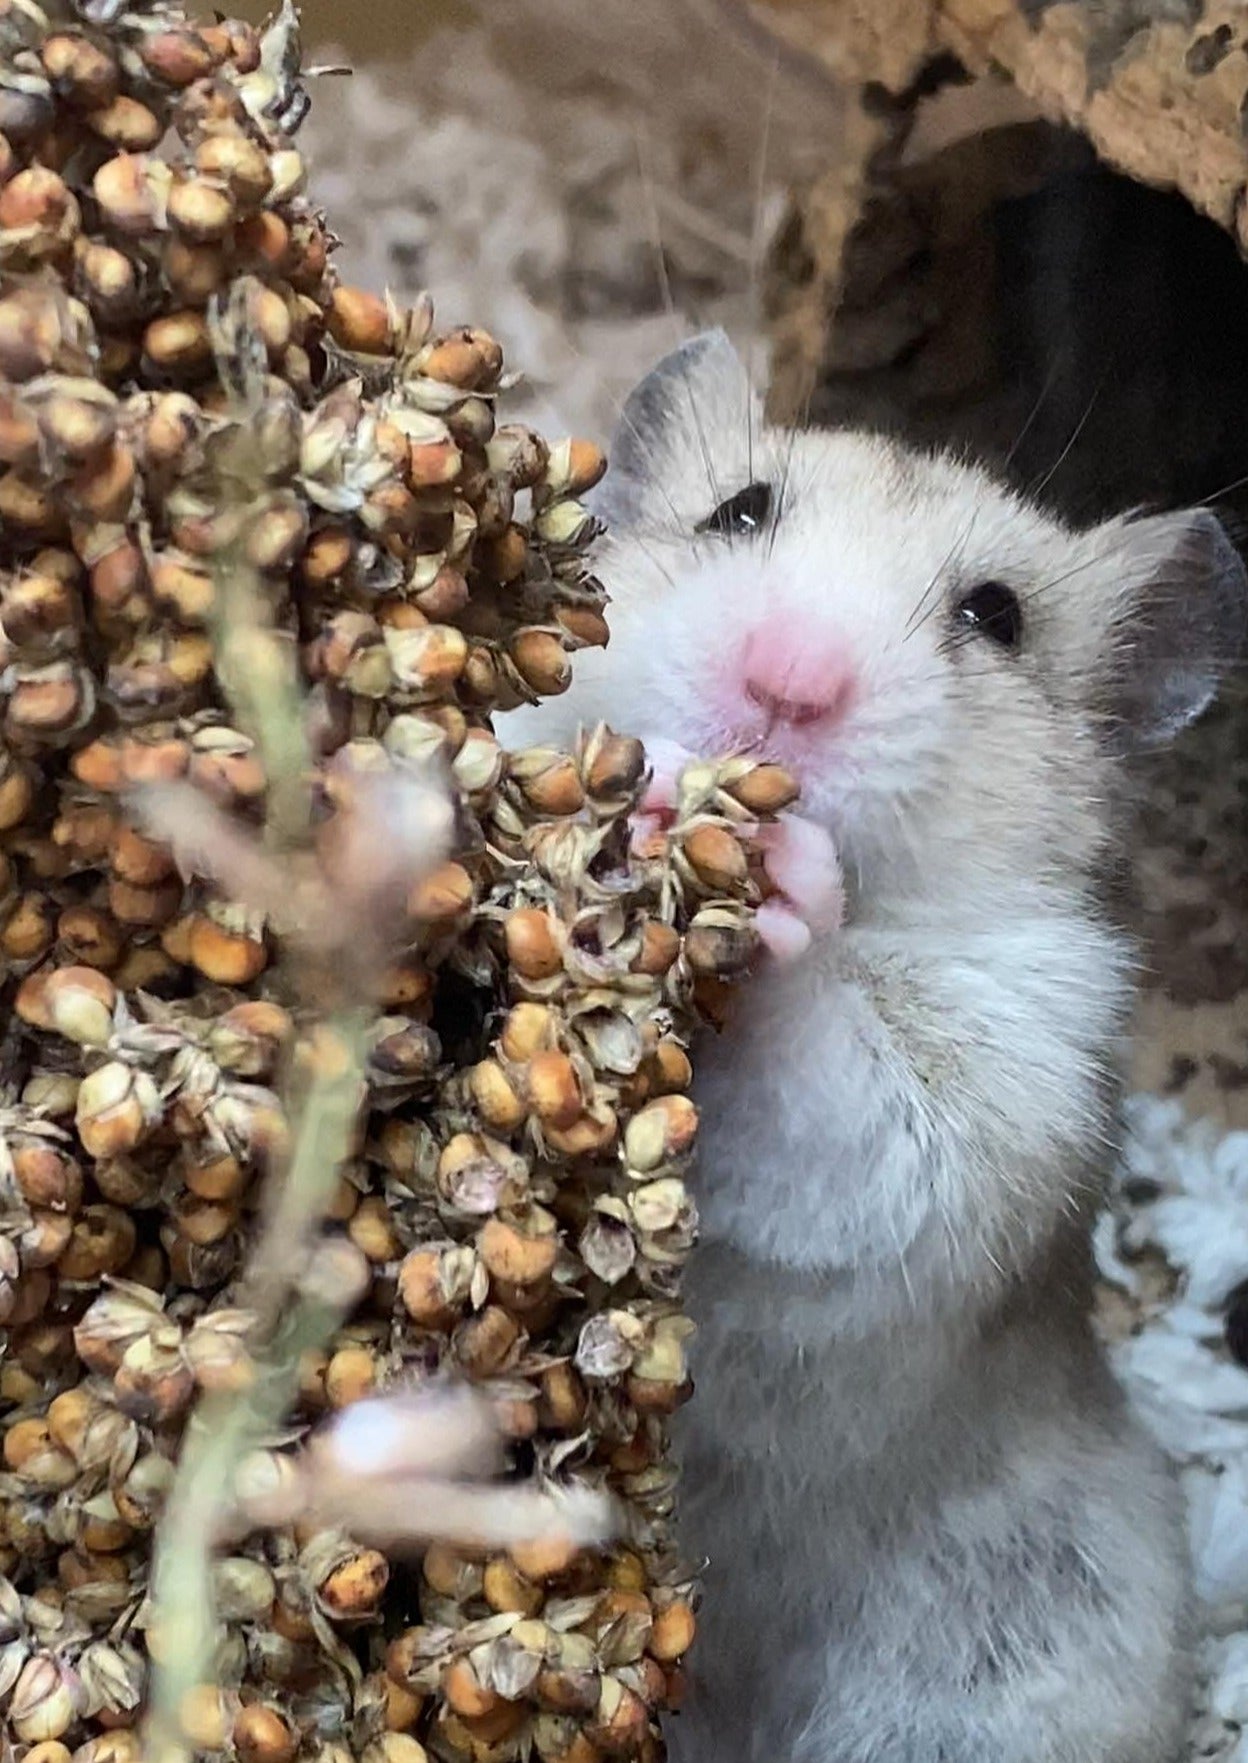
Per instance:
x=587, y=182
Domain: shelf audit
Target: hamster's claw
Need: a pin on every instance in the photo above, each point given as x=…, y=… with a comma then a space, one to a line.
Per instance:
x=658, y=804
x=667, y=760
x=785, y=936
x=801, y=863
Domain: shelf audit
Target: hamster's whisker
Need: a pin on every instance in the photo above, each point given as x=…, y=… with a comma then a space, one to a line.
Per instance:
x=959, y=639
x=1021, y=436
x=905, y=831
x=662, y=568
x=797, y=424
x=1213, y=496
x=665, y=287
x=1121, y=542
x=1037, y=490
x=756, y=252
x=959, y=547
x=784, y=490
x=637, y=536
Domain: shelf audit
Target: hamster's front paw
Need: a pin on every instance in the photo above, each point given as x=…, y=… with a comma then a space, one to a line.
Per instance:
x=802, y=865
x=658, y=805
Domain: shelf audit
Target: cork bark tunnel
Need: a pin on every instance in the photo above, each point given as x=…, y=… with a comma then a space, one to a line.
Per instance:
x=1034, y=243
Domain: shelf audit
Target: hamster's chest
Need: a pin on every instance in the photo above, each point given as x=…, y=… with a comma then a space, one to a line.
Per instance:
x=811, y=1104
x=846, y=1034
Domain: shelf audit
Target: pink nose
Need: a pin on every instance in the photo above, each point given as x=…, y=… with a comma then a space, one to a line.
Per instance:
x=798, y=676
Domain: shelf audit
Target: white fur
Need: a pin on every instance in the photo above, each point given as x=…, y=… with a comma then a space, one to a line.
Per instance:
x=933, y=1534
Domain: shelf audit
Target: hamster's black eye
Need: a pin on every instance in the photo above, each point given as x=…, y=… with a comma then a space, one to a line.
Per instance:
x=742, y=515
x=993, y=610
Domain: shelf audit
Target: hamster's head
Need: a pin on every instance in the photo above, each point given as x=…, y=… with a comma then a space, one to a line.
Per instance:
x=946, y=669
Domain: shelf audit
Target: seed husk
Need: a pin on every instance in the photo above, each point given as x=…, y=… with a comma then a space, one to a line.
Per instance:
x=554, y=1089
x=497, y=1101
x=763, y=789
x=132, y=190
x=40, y=205
x=359, y=321
x=195, y=271
x=543, y=661
x=126, y=123
x=673, y=1631
x=517, y=1256
x=422, y=1287
x=260, y=1735
x=82, y=71
x=532, y=943
x=178, y=342
x=441, y=896
x=716, y=858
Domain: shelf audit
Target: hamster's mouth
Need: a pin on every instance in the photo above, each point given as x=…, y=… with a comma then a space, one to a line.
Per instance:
x=834, y=785
x=788, y=744
x=828, y=769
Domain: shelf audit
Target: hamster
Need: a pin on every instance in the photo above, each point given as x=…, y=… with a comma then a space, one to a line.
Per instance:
x=932, y=1532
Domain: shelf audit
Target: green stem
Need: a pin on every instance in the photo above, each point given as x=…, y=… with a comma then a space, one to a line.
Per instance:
x=324, y=1119
x=226, y=1428
x=258, y=668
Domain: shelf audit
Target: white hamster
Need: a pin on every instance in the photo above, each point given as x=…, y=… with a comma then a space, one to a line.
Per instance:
x=933, y=1533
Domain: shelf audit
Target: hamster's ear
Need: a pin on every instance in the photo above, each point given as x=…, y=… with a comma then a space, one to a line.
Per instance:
x=672, y=418
x=1183, y=626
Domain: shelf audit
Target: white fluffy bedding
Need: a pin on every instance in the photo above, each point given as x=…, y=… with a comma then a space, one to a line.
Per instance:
x=1174, y=1244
